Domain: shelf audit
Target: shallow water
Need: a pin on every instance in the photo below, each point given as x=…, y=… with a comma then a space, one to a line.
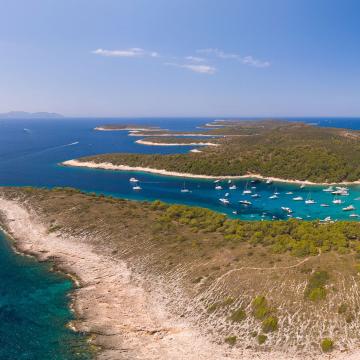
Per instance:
x=34, y=309
x=34, y=303
x=30, y=151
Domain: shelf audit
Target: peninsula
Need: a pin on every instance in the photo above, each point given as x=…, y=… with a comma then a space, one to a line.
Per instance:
x=160, y=281
x=288, y=151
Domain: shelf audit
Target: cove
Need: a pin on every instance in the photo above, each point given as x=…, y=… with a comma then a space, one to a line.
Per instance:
x=34, y=311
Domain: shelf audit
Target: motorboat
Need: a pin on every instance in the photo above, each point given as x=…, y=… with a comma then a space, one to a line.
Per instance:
x=349, y=208
x=245, y=202
x=133, y=179
x=224, y=201
x=298, y=198
x=286, y=209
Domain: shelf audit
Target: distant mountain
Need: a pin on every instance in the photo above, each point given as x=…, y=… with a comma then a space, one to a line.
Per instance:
x=27, y=115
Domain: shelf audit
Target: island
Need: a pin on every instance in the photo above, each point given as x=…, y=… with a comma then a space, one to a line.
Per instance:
x=281, y=150
x=176, y=282
x=29, y=115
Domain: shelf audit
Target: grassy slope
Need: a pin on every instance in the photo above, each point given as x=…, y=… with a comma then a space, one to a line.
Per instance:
x=216, y=268
x=274, y=148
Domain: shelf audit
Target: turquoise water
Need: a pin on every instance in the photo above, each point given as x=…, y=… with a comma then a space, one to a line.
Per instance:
x=34, y=309
x=30, y=151
x=34, y=301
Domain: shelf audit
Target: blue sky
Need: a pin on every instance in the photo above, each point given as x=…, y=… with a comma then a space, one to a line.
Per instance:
x=181, y=57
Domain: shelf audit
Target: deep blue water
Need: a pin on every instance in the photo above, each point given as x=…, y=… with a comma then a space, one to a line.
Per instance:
x=30, y=151
x=33, y=300
x=34, y=309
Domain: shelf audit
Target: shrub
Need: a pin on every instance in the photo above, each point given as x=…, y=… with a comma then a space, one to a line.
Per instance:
x=317, y=294
x=238, y=315
x=260, y=307
x=342, y=309
x=231, y=340
x=315, y=288
x=228, y=301
x=261, y=339
x=270, y=324
x=327, y=345
x=212, y=307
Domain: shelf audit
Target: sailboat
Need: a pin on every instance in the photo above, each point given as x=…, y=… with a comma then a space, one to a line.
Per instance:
x=232, y=187
x=309, y=200
x=329, y=189
x=184, y=189
x=246, y=190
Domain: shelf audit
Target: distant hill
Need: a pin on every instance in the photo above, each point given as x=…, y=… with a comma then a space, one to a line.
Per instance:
x=27, y=115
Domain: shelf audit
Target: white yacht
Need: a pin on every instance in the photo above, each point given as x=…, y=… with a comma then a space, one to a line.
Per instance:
x=329, y=189
x=232, y=187
x=137, y=187
x=224, y=201
x=133, y=180
x=246, y=190
x=349, y=208
x=298, y=198
x=245, y=202
x=337, y=201
x=324, y=205
x=218, y=187
x=274, y=196
x=184, y=189
x=286, y=209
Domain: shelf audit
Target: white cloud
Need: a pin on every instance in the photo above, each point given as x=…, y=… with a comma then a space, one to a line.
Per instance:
x=202, y=69
x=132, y=52
x=195, y=59
x=247, y=60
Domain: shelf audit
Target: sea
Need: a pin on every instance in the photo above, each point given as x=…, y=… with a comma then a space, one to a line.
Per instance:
x=34, y=301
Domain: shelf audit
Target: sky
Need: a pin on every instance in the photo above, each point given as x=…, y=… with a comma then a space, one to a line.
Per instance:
x=179, y=58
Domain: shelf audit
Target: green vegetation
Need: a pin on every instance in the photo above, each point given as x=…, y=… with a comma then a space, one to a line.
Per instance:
x=261, y=339
x=231, y=340
x=228, y=301
x=270, y=148
x=327, y=345
x=238, y=315
x=260, y=307
x=342, y=309
x=315, y=288
x=300, y=238
x=211, y=252
x=269, y=324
